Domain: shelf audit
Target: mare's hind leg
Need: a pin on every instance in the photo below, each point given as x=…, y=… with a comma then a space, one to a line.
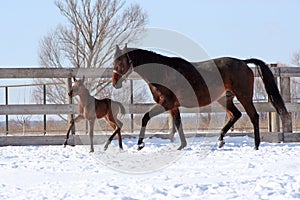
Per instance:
x=254, y=117
x=177, y=121
x=234, y=114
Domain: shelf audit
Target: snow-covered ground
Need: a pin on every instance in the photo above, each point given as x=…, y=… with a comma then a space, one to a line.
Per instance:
x=201, y=171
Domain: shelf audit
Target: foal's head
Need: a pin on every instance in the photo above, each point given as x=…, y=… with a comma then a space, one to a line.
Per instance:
x=76, y=87
x=122, y=66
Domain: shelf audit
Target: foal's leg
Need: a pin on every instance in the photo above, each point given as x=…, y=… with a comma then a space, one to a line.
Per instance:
x=172, y=129
x=72, y=123
x=156, y=110
x=91, y=134
x=177, y=120
x=117, y=131
x=227, y=103
x=116, y=125
x=68, y=133
x=120, y=125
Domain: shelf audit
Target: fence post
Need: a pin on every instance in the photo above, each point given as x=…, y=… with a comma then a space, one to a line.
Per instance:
x=45, y=116
x=131, y=102
x=285, y=88
x=70, y=101
x=6, y=116
x=274, y=122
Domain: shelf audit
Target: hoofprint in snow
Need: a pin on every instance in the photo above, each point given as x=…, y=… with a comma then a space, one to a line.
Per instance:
x=201, y=171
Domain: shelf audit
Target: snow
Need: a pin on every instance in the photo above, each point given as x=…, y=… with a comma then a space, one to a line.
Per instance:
x=159, y=171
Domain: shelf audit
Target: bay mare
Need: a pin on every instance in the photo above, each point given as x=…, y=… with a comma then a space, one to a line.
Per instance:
x=91, y=108
x=175, y=82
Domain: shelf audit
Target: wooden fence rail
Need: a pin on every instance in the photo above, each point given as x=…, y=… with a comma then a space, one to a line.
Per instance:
x=53, y=109
x=282, y=74
x=107, y=72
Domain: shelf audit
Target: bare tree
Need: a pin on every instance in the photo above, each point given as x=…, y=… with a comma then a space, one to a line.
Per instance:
x=87, y=39
x=23, y=121
x=296, y=58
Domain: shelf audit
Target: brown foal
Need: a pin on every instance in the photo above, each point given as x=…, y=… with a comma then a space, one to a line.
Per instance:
x=91, y=109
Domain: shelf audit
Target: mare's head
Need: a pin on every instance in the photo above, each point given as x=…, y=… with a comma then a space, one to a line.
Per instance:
x=122, y=66
x=77, y=86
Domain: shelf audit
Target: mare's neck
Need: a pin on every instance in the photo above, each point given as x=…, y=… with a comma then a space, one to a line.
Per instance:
x=149, y=65
x=141, y=57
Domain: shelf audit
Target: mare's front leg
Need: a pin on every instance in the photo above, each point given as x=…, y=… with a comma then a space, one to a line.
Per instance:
x=156, y=110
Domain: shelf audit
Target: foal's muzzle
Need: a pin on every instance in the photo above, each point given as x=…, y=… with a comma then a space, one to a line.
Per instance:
x=70, y=93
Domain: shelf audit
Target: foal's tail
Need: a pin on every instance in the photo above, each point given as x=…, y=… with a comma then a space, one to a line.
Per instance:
x=122, y=108
x=271, y=87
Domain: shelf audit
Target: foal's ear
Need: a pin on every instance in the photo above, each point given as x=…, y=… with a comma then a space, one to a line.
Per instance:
x=83, y=79
x=125, y=46
x=117, y=48
x=74, y=79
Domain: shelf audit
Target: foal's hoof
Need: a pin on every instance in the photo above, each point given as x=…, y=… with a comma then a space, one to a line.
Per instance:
x=221, y=143
x=106, y=145
x=255, y=148
x=105, y=148
x=141, y=146
x=65, y=143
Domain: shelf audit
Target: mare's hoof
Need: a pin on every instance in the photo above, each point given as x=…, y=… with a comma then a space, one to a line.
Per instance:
x=141, y=146
x=221, y=143
x=181, y=146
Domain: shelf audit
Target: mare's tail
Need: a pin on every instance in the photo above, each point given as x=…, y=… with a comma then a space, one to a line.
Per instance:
x=271, y=88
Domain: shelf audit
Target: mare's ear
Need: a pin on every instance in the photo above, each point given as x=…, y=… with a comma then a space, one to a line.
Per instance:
x=118, y=51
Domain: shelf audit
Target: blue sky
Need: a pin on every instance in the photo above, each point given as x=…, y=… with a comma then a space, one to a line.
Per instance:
x=259, y=28
x=267, y=29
